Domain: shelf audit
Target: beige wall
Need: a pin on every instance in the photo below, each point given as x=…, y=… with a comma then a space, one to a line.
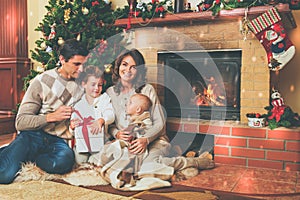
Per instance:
x=36, y=12
x=287, y=81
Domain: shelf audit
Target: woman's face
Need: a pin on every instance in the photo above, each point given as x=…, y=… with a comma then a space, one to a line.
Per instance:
x=127, y=69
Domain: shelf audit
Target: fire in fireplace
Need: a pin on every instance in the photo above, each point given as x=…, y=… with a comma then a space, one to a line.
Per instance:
x=202, y=84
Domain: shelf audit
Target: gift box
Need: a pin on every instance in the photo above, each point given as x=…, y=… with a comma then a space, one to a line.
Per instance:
x=85, y=141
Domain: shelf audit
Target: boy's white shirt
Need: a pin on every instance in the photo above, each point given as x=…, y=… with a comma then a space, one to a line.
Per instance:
x=101, y=108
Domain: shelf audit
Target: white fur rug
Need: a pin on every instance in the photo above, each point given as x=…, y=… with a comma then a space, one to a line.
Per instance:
x=83, y=175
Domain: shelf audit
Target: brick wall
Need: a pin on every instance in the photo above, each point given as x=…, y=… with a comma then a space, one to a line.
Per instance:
x=250, y=147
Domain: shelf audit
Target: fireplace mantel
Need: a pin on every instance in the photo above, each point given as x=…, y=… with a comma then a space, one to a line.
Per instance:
x=191, y=17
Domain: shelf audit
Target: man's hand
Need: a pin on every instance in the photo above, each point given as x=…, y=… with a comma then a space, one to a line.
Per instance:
x=62, y=113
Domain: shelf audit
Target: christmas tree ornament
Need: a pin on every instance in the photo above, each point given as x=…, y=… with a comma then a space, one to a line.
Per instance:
x=48, y=49
x=294, y=4
x=108, y=68
x=269, y=30
x=40, y=69
x=60, y=41
x=78, y=37
x=85, y=11
x=43, y=45
x=67, y=13
x=52, y=32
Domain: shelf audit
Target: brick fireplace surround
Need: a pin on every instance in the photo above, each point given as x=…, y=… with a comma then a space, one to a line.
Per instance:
x=235, y=142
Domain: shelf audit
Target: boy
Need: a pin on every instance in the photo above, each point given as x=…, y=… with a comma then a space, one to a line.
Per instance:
x=91, y=114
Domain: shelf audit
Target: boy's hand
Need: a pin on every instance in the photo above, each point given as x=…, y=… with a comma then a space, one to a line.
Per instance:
x=96, y=126
x=74, y=123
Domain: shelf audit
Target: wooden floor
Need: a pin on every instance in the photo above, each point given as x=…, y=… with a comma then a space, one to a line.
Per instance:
x=6, y=138
x=7, y=123
x=237, y=179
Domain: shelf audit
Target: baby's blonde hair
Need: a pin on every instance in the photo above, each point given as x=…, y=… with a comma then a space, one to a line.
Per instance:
x=144, y=101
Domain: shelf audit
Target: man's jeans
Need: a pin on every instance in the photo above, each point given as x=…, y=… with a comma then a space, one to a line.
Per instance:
x=51, y=153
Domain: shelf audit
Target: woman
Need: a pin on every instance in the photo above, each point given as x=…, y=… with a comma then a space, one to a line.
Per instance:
x=129, y=77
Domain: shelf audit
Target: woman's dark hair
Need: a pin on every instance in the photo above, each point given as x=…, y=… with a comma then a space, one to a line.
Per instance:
x=71, y=48
x=140, y=80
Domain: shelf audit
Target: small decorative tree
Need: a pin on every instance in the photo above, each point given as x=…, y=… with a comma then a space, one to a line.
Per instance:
x=90, y=21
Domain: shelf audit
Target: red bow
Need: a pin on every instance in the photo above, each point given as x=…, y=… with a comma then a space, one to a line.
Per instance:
x=95, y=3
x=277, y=111
x=85, y=122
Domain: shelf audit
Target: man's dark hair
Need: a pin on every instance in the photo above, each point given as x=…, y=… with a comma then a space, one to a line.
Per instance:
x=71, y=48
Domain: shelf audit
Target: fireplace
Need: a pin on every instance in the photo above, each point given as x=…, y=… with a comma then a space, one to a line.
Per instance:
x=234, y=142
x=202, y=84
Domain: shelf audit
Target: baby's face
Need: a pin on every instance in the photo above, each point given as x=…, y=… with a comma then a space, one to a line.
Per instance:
x=132, y=105
x=93, y=86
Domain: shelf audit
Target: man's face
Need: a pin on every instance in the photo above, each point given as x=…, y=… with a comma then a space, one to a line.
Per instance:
x=72, y=68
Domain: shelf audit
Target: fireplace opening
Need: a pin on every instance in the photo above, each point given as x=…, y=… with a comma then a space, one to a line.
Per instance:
x=202, y=84
x=184, y=142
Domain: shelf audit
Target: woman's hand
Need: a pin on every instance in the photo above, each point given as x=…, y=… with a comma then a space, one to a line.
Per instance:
x=138, y=145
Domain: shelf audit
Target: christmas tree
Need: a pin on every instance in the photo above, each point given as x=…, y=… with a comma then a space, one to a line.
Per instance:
x=89, y=21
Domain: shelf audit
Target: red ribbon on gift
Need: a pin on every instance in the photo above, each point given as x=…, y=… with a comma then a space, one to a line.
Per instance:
x=277, y=111
x=85, y=122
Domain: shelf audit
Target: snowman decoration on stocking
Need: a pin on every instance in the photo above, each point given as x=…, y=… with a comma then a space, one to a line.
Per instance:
x=271, y=34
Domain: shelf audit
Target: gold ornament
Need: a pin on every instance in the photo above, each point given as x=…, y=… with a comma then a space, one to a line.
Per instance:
x=108, y=68
x=60, y=41
x=85, y=11
x=78, y=37
x=43, y=46
x=67, y=13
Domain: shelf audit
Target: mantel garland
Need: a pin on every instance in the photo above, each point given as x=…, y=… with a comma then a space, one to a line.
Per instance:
x=158, y=8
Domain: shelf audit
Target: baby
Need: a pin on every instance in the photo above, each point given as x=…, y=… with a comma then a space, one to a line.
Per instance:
x=138, y=110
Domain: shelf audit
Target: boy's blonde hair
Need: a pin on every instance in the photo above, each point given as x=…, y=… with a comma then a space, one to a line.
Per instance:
x=91, y=70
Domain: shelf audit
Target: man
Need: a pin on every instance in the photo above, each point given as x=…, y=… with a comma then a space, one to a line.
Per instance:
x=43, y=118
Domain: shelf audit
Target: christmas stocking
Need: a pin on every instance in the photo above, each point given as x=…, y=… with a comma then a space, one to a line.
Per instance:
x=269, y=30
